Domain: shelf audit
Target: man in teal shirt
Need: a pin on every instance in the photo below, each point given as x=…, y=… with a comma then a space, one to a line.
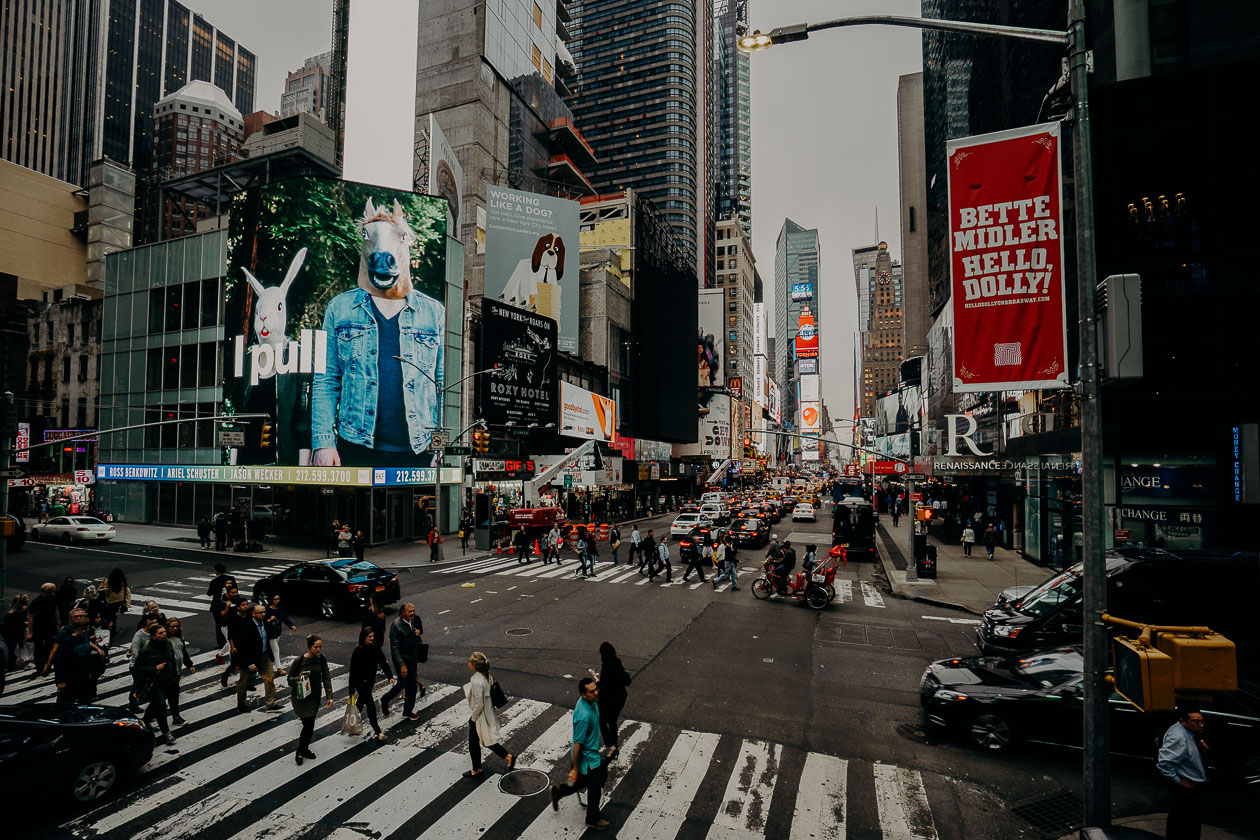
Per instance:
x=588, y=771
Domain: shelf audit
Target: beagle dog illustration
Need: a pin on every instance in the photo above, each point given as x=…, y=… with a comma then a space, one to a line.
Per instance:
x=535, y=284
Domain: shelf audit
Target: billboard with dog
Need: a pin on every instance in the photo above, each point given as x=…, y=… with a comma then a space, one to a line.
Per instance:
x=532, y=257
x=335, y=323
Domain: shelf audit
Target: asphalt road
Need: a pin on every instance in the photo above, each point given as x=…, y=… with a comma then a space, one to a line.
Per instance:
x=837, y=683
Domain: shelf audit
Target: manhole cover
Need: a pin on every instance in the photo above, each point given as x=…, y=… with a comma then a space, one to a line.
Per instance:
x=912, y=733
x=524, y=782
x=1054, y=814
x=519, y=631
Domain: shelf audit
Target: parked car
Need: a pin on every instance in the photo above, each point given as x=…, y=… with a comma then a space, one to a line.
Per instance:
x=73, y=529
x=804, y=512
x=684, y=522
x=1186, y=587
x=996, y=702
x=14, y=531
x=750, y=532
x=330, y=588
x=81, y=753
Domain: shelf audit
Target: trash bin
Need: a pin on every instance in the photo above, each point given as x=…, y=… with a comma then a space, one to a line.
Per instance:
x=926, y=565
x=919, y=545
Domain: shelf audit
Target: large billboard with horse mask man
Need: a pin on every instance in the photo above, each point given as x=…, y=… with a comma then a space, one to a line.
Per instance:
x=335, y=323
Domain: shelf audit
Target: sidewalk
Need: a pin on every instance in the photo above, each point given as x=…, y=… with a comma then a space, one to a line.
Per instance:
x=1154, y=824
x=969, y=583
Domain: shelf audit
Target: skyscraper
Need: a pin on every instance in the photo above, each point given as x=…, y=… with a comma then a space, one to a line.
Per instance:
x=911, y=160
x=732, y=91
x=306, y=88
x=797, y=303
x=879, y=290
x=108, y=62
x=643, y=98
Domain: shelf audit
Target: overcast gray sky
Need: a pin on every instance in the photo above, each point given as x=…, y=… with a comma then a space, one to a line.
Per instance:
x=824, y=133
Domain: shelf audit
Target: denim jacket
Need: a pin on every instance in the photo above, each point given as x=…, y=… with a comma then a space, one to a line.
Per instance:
x=347, y=391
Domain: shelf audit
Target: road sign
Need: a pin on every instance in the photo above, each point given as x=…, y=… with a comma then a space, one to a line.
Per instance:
x=458, y=449
x=439, y=440
x=231, y=438
x=12, y=472
x=568, y=482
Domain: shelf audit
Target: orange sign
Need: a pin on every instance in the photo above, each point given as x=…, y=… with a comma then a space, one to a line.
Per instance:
x=806, y=335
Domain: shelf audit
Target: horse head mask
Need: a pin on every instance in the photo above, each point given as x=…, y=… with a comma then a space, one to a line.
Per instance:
x=385, y=258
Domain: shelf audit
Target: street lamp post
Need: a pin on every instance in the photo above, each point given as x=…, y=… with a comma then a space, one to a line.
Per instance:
x=1097, y=778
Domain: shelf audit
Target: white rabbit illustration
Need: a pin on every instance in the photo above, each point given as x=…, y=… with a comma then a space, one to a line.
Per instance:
x=270, y=313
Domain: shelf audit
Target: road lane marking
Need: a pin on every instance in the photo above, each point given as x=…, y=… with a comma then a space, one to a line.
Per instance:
x=871, y=596
x=663, y=807
x=904, y=813
x=820, y=799
x=746, y=802
x=952, y=620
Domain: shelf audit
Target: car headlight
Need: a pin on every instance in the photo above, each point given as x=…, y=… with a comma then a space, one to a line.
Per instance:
x=946, y=694
x=1006, y=630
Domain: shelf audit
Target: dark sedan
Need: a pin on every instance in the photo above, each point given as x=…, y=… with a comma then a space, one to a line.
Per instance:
x=330, y=588
x=994, y=702
x=750, y=532
x=77, y=752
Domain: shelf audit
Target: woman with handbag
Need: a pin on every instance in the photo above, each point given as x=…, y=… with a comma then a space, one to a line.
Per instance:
x=117, y=600
x=483, y=723
x=367, y=657
x=156, y=668
x=613, y=680
x=307, y=675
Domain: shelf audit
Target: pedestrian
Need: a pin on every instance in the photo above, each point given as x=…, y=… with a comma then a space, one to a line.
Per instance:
x=277, y=620
x=251, y=655
x=405, y=637
x=374, y=617
x=77, y=661
x=221, y=579
x=15, y=629
x=237, y=610
x=968, y=540
x=647, y=553
x=697, y=555
x=367, y=657
x=155, y=669
x=991, y=539
x=520, y=542
x=551, y=546
x=117, y=600
x=220, y=532
x=727, y=564
x=588, y=771
x=204, y=530
x=139, y=641
x=435, y=541
x=613, y=680
x=175, y=637
x=896, y=513
x=359, y=544
x=1180, y=762
x=662, y=556
x=42, y=626
x=483, y=723
x=636, y=546
x=344, y=538
x=334, y=534
x=586, y=552
x=614, y=542
x=67, y=595
x=465, y=531
x=307, y=676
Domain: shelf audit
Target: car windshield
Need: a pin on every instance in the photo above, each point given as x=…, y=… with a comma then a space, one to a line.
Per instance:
x=359, y=569
x=1052, y=668
x=1047, y=597
x=748, y=525
x=87, y=520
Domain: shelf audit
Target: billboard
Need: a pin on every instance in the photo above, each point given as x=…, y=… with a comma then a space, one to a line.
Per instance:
x=759, y=329
x=709, y=344
x=802, y=291
x=446, y=176
x=772, y=401
x=1006, y=261
x=806, y=366
x=759, y=380
x=522, y=345
x=809, y=388
x=532, y=256
x=806, y=335
x=714, y=432
x=899, y=411
x=584, y=414
x=22, y=443
x=335, y=322
x=380, y=129
x=810, y=418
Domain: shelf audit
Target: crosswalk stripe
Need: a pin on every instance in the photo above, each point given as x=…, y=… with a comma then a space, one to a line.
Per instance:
x=163, y=601
x=388, y=813
x=500, y=566
x=871, y=595
x=748, y=793
x=466, y=566
x=820, y=798
x=844, y=591
x=116, y=678
x=904, y=813
x=663, y=808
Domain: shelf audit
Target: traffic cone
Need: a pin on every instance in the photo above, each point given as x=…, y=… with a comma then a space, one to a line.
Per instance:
x=536, y=550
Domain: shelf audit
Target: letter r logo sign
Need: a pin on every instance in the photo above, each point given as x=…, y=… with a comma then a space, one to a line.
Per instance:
x=953, y=436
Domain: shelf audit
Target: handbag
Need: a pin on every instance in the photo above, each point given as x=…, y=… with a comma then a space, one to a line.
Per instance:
x=497, y=696
x=352, y=720
x=302, y=686
x=422, y=652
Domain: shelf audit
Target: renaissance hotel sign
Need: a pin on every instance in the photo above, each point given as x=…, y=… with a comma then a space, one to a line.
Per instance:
x=330, y=476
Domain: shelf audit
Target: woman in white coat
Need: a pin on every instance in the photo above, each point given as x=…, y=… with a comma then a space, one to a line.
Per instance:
x=483, y=723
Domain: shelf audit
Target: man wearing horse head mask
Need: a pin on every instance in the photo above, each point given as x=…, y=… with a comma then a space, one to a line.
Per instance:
x=368, y=408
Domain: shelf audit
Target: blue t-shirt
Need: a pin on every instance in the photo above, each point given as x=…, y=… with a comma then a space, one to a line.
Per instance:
x=586, y=733
x=392, y=433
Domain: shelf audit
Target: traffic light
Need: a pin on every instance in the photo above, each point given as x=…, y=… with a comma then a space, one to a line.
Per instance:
x=481, y=440
x=264, y=438
x=1151, y=672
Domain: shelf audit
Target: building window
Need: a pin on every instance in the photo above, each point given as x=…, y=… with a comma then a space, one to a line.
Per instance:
x=547, y=70
x=536, y=56
x=35, y=335
x=65, y=369
x=81, y=421
x=65, y=412
x=537, y=16
x=912, y=220
x=83, y=368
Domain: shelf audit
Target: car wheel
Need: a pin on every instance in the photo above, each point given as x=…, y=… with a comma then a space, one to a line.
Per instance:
x=762, y=589
x=816, y=597
x=992, y=733
x=35, y=535
x=94, y=781
x=67, y=539
x=328, y=609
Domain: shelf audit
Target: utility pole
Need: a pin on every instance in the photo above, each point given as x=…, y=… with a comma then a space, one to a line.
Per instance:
x=8, y=432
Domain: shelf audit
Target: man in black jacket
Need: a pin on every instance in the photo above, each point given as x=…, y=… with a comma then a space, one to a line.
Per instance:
x=404, y=647
x=251, y=654
x=647, y=554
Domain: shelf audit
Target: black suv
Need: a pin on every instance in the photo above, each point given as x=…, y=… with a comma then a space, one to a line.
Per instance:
x=330, y=588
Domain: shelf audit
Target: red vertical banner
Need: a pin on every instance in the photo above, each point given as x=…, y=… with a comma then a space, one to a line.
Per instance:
x=1006, y=260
